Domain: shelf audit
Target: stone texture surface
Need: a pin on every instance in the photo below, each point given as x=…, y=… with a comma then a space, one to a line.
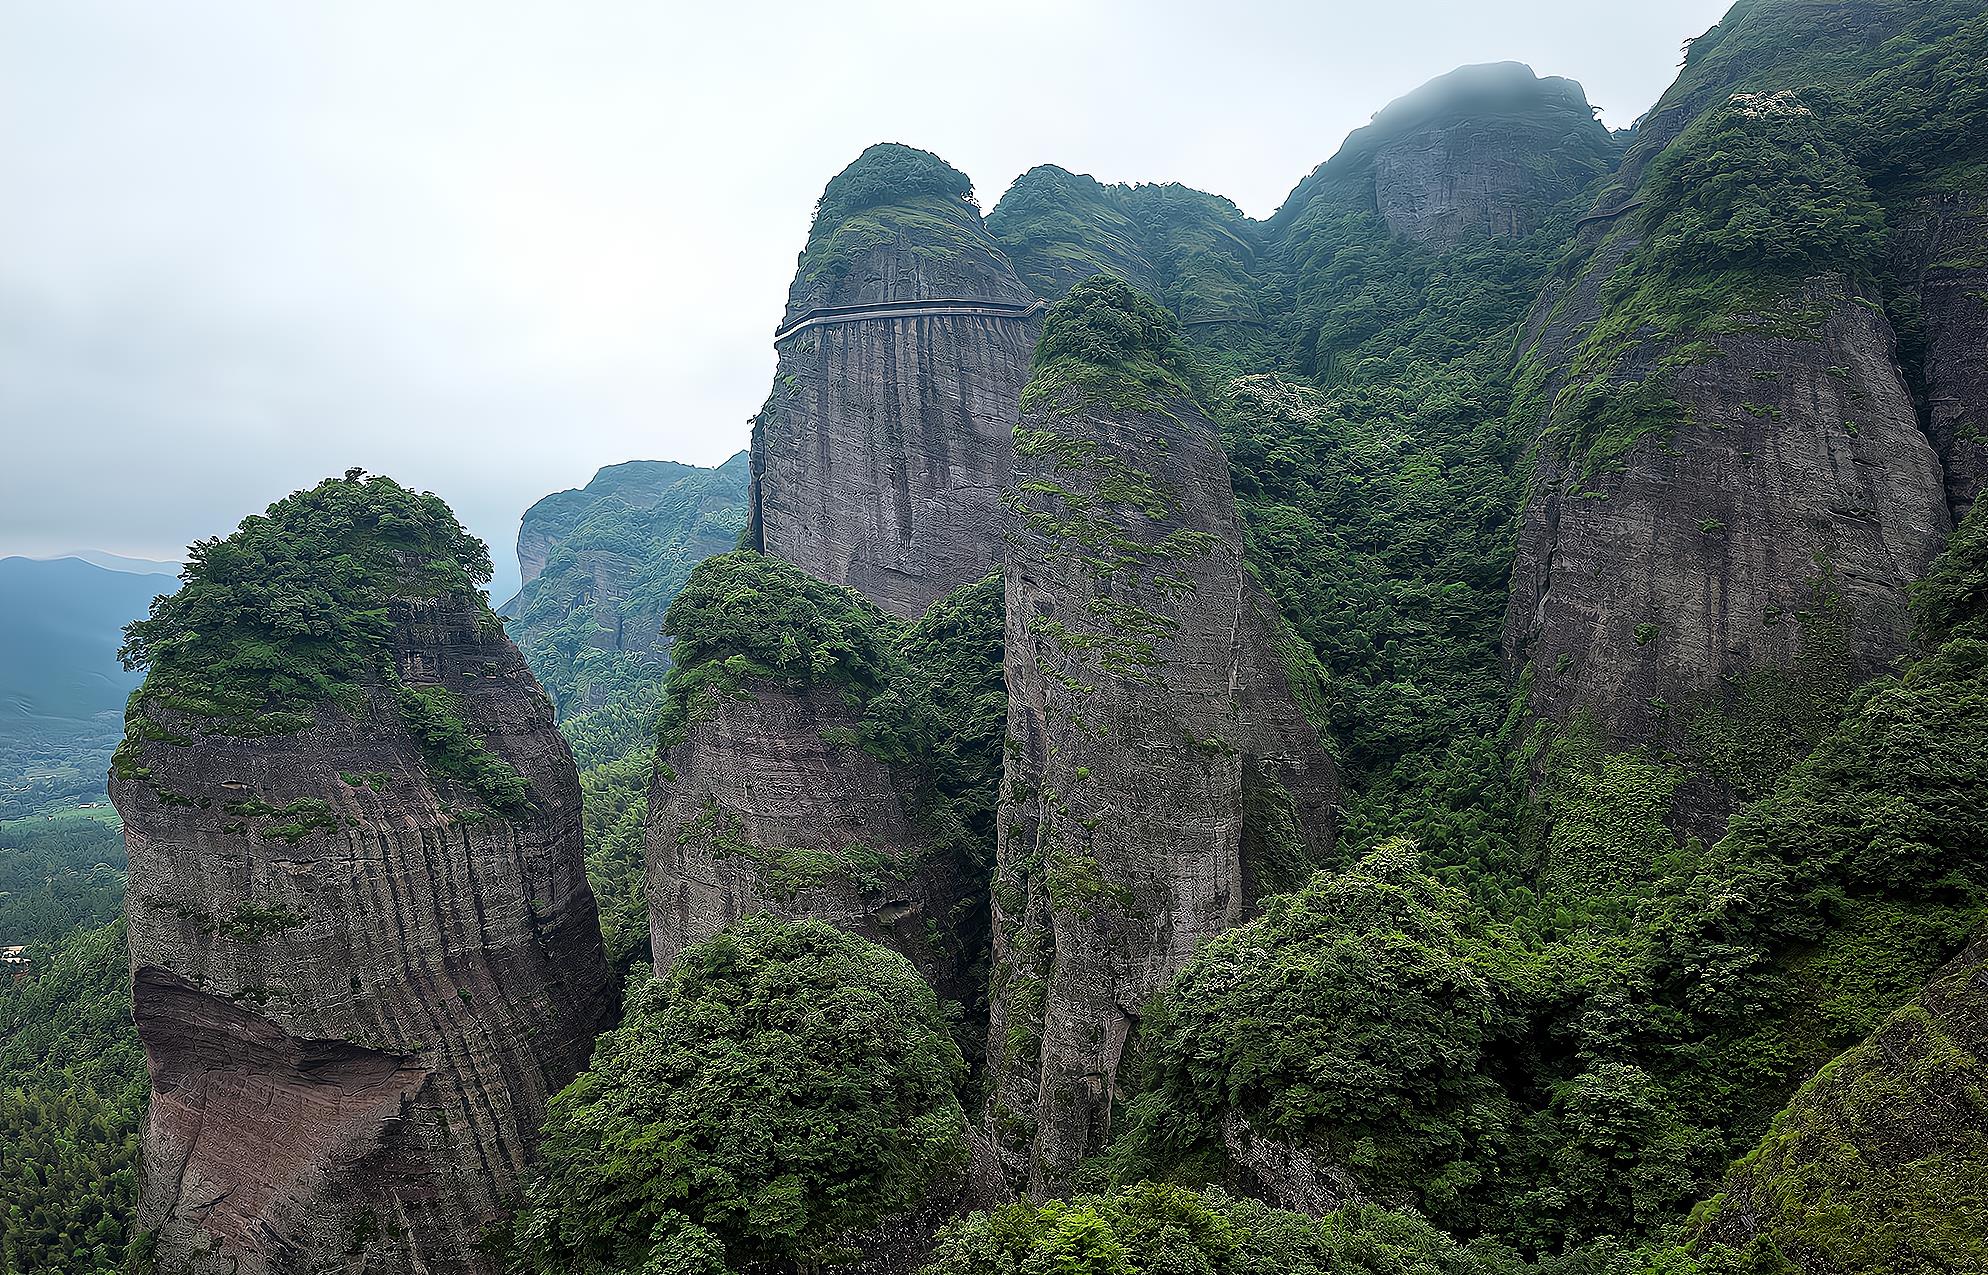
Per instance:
x=1720, y=535
x=1877, y=1162
x=756, y=812
x=1483, y=151
x=354, y=1012
x=879, y=460
x=1943, y=249
x=1139, y=688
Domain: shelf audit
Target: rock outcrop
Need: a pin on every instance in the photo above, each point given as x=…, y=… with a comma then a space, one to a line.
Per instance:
x=769, y=805
x=1483, y=151
x=1943, y=250
x=1159, y=771
x=602, y=563
x=364, y=949
x=816, y=767
x=1773, y=528
x=1877, y=1163
x=1734, y=490
x=879, y=459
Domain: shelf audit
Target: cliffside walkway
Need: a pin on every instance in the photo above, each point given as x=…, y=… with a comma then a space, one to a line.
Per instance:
x=828, y=316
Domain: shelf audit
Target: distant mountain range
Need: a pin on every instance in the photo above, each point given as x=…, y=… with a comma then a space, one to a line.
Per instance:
x=65, y=620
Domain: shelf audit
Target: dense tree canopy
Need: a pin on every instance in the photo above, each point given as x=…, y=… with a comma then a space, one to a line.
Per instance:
x=780, y=1089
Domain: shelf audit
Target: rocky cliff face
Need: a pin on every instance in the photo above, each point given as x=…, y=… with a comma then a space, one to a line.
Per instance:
x=602, y=563
x=357, y=979
x=768, y=805
x=1737, y=487
x=1775, y=526
x=1158, y=772
x=1877, y=1162
x=822, y=760
x=1943, y=251
x=1483, y=151
x=879, y=459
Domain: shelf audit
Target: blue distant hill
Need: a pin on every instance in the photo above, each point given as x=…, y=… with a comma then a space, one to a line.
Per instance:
x=63, y=622
x=62, y=691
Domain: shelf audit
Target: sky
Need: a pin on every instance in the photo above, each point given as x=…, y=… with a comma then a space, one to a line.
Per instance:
x=488, y=247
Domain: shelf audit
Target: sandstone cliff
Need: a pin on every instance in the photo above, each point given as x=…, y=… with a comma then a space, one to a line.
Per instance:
x=1943, y=258
x=879, y=458
x=1159, y=771
x=1483, y=151
x=1745, y=466
x=822, y=761
x=1767, y=535
x=363, y=946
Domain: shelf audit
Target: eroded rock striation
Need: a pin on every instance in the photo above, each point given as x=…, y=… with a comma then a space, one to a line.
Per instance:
x=1734, y=490
x=1159, y=770
x=824, y=761
x=879, y=459
x=364, y=948
x=1770, y=532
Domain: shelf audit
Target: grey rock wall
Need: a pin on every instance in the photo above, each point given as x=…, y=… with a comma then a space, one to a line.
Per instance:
x=758, y=810
x=1139, y=688
x=1795, y=482
x=356, y=986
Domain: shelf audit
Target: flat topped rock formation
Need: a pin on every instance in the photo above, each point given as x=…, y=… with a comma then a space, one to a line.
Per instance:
x=878, y=460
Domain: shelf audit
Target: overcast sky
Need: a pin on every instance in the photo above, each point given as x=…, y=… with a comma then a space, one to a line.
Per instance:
x=488, y=247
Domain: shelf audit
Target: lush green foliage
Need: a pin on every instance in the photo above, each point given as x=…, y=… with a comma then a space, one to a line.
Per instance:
x=590, y=623
x=1761, y=184
x=1813, y=1196
x=888, y=173
x=782, y=1088
x=1352, y=1017
x=294, y=611
x=1195, y=253
x=893, y=193
x=614, y=806
x=59, y=873
x=746, y=615
x=291, y=611
x=1107, y=342
x=1156, y=1228
x=72, y=1087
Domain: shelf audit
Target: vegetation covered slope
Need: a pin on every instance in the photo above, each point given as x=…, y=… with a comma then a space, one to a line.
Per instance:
x=783, y=1088
x=72, y=1093
x=605, y=562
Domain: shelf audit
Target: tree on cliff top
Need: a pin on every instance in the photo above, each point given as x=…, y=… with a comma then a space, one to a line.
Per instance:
x=290, y=611
x=783, y=1088
x=888, y=173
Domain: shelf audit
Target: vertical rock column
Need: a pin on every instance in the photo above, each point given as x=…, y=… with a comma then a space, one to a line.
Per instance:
x=878, y=460
x=358, y=979
x=1143, y=691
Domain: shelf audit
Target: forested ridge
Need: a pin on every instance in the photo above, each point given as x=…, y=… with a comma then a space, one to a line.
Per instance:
x=1653, y=951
